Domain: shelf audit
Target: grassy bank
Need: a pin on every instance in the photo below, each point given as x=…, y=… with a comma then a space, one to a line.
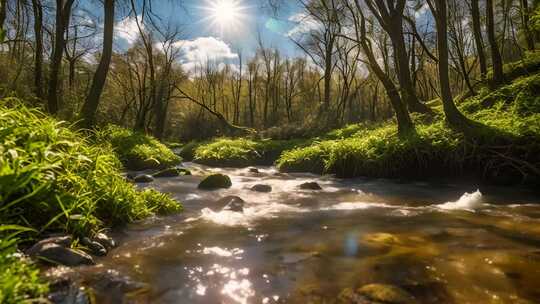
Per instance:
x=137, y=151
x=55, y=180
x=506, y=147
x=240, y=152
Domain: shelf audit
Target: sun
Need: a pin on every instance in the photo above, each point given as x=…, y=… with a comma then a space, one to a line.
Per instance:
x=225, y=14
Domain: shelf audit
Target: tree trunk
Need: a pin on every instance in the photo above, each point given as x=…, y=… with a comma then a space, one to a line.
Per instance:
x=453, y=115
x=63, y=12
x=479, y=41
x=496, y=59
x=89, y=109
x=525, y=15
x=3, y=11
x=38, y=60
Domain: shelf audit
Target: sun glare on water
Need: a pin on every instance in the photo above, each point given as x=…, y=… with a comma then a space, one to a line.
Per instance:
x=225, y=14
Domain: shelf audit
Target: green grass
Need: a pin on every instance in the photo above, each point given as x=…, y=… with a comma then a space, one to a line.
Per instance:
x=506, y=146
x=136, y=150
x=241, y=152
x=53, y=179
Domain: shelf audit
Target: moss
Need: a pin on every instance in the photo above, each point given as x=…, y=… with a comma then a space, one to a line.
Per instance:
x=242, y=152
x=215, y=181
x=136, y=150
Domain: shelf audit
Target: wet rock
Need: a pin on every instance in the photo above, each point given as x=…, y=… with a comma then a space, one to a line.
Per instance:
x=62, y=240
x=57, y=254
x=105, y=241
x=254, y=170
x=95, y=247
x=230, y=203
x=215, y=181
x=70, y=294
x=262, y=188
x=385, y=293
x=130, y=176
x=172, y=172
x=143, y=178
x=310, y=186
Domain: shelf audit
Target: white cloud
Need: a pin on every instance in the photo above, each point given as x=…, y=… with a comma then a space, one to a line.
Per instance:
x=304, y=23
x=127, y=30
x=199, y=51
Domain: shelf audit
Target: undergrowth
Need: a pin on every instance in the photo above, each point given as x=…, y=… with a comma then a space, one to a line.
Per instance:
x=136, y=150
x=54, y=180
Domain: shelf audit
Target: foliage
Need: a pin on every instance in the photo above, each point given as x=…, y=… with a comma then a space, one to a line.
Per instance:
x=54, y=179
x=506, y=144
x=242, y=152
x=136, y=150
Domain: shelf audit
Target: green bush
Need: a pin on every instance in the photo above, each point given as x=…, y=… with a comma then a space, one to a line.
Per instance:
x=507, y=143
x=136, y=150
x=241, y=152
x=53, y=179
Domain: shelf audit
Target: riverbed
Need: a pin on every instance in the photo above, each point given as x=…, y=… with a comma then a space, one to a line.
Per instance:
x=441, y=242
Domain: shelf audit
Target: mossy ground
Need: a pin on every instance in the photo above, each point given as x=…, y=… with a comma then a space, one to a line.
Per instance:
x=505, y=146
x=54, y=179
x=136, y=150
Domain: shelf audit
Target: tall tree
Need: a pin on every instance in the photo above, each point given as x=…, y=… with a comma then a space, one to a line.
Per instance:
x=63, y=14
x=38, y=57
x=3, y=13
x=525, y=17
x=453, y=116
x=479, y=41
x=389, y=14
x=89, y=109
x=496, y=58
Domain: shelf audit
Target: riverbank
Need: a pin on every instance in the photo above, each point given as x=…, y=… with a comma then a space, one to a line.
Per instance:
x=504, y=149
x=57, y=181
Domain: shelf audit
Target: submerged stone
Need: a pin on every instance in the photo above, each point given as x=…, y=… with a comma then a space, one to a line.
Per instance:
x=385, y=293
x=254, y=170
x=310, y=186
x=105, y=240
x=95, y=247
x=232, y=203
x=262, y=188
x=143, y=178
x=215, y=181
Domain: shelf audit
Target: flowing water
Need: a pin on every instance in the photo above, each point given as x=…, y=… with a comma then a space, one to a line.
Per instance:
x=441, y=242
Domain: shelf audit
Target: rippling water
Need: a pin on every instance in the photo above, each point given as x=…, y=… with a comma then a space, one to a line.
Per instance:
x=442, y=243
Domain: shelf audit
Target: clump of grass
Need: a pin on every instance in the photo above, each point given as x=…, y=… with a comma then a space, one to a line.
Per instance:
x=242, y=152
x=54, y=179
x=136, y=150
x=507, y=143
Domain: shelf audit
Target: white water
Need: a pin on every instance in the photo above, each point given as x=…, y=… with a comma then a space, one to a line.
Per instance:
x=468, y=201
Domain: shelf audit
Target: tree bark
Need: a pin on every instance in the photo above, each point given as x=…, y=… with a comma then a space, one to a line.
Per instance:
x=496, y=59
x=63, y=12
x=89, y=109
x=38, y=60
x=3, y=11
x=525, y=15
x=479, y=41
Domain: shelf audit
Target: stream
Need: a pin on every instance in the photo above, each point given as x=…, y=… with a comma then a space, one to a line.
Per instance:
x=441, y=242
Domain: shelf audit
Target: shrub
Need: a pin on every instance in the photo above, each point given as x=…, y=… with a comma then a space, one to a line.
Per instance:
x=136, y=150
x=54, y=179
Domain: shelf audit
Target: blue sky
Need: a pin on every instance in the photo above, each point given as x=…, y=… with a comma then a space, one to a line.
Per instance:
x=200, y=38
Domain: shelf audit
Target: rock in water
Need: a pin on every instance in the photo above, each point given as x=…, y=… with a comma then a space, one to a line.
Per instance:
x=95, y=247
x=262, y=188
x=230, y=203
x=385, y=294
x=172, y=172
x=143, y=178
x=215, y=181
x=57, y=254
x=63, y=240
x=105, y=240
x=254, y=170
x=310, y=186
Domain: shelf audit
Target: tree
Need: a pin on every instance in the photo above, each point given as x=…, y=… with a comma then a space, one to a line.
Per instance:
x=37, y=8
x=496, y=58
x=89, y=109
x=63, y=14
x=453, y=115
x=479, y=41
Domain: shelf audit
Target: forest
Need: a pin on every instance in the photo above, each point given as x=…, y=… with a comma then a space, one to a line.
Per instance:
x=145, y=143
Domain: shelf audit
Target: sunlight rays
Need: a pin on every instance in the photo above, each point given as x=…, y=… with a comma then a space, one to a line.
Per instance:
x=227, y=16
